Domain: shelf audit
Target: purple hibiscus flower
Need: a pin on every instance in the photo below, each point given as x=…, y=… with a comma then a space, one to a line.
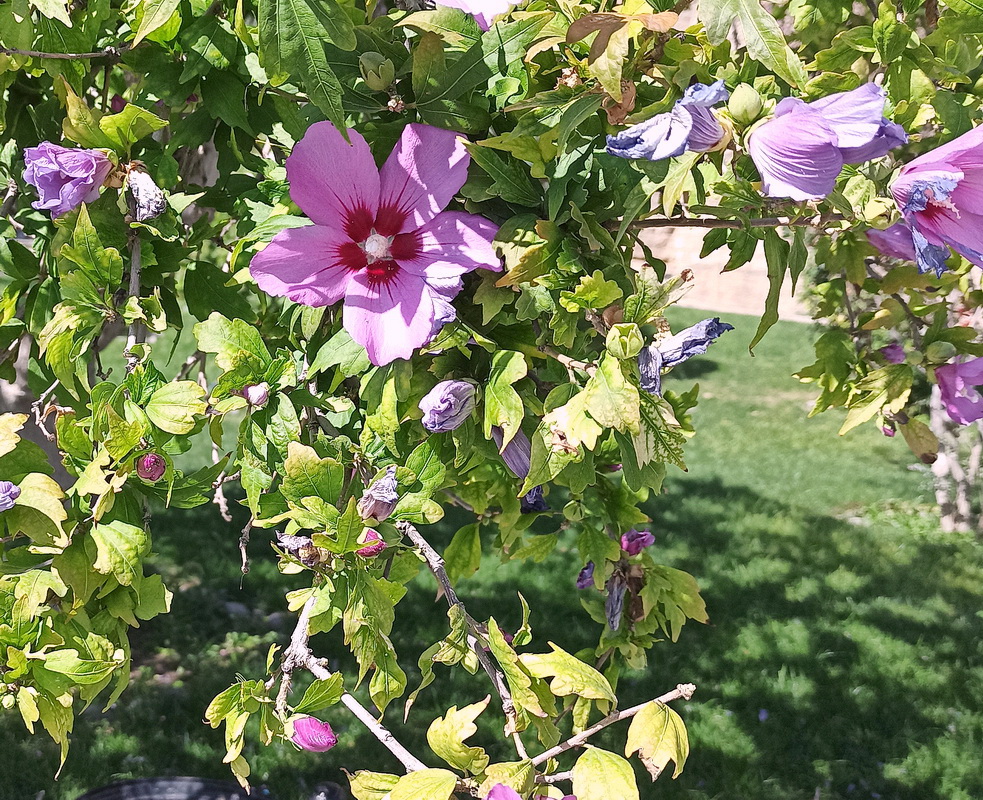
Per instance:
x=9, y=492
x=380, y=240
x=940, y=195
x=893, y=353
x=380, y=499
x=675, y=349
x=151, y=467
x=483, y=11
x=586, y=577
x=691, y=125
x=801, y=151
x=313, y=735
x=65, y=177
x=894, y=242
x=516, y=455
x=959, y=384
x=634, y=541
x=447, y=405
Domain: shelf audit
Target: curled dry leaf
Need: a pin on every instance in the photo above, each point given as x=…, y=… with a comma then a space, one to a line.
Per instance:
x=618, y=112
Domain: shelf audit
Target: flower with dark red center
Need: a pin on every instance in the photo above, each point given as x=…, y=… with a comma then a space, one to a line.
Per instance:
x=313, y=735
x=151, y=467
x=380, y=240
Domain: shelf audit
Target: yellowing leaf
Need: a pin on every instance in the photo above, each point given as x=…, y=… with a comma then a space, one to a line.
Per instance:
x=120, y=549
x=9, y=425
x=447, y=734
x=173, y=407
x=425, y=784
x=570, y=675
x=367, y=785
x=658, y=735
x=600, y=775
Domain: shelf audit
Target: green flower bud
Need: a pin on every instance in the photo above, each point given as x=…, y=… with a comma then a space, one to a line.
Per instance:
x=625, y=340
x=745, y=104
x=913, y=358
x=377, y=71
x=938, y=352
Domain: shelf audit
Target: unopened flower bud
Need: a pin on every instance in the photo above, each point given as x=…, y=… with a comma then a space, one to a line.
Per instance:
x=634, y=541
x=380, y=498
x=257, y=395
x=447, y=406
x=313, y=735
x=614, y=606
x=624, y=340
x=516, y=453
x=117, y=103
x=377, y=71
x=151, y=467
x=888, y=431
x=940, y=351
x=374, y=543
x=893, y=353
x=745, y=104
x=533, y=501
x=9, y=493
x=148, y=197
x=586, y=577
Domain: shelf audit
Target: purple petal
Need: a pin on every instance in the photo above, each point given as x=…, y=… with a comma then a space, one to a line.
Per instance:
x=650, y=369
x=516, y=453
x=797, y=156
x=891, y=135
x=304, y=265
x=313, y=735
x=692, y=341
x=893, y=353
x=958, y=385
x=929, y=257
x=894, y=242
x=533, y=501
x=965, y=151
x=662, y=136
x=502, y=792
x=9, y=492
x=380, y=499
x=447, y=406
x=330, y=178
x=702, y=95
x=857, y=117
x=425, y=170
x=391, y=318
x=452, y=244
x=586, y=577
x=705, y=131
x=633, y=542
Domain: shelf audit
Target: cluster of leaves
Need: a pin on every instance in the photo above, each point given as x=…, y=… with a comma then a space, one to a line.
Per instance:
x=215, y=96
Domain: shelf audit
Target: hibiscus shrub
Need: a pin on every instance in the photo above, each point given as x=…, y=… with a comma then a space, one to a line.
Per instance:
x=399, y=241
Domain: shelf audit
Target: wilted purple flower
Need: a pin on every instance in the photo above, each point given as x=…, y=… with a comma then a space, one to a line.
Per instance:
x=691, y=125
x=675, y=349
x=117, y=103
x=313, y=735
x=9, y=492
x=483, y=11
x=374, y=543
x=380, y=498
x=634, y=541
x=941, y=197
x=447, y=406
x=256, y=394
x=151, y=467
x=586, y=577
x=959, y=383
x=516, y=453
x=615, y=604
x=148, y=198
x=893, y=353
x=801, y=151
x=65, y=177
x=894, y=242
x=889, y=431
x=533, y=501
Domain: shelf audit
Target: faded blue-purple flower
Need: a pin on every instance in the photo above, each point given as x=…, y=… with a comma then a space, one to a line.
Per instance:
x=9, y=492
x=614, y=606
x=894, y=242
x=516, y=456
x=586, y=577
x=691, y=125
x=634, y=541
x=675, y=349
x=447, y=405
x=800, y=152
x=380, y=499
x=893, y=353
x=533, y=501
x=65, y=177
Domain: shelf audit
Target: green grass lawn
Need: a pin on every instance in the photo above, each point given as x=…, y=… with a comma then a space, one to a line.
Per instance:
x=843, y=658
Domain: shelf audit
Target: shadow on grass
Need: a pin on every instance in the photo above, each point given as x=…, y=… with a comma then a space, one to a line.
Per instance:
x=843, y=659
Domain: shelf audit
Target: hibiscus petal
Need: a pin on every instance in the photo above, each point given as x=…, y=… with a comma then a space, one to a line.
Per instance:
x=391, y=318
x=856, y=116
x=962, y=152
x=452, y=244
x=895, y=242
x=329, y=178
x=962, y=230
x=662, y=136
x=796, y=156
x=425, y=170
x=304, y=265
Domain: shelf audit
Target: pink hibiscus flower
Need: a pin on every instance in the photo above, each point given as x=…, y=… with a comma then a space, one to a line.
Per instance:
x=381, y=240
x=959, y=384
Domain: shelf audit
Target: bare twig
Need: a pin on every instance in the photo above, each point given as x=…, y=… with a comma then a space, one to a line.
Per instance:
x=568, y=362
x=9, y=198
x=555, y=778
x=113, y=53
x=243, y=544
x=133, y=331
x=737, y=224
x=476, y=639
x=298, y=655
x=684, y=690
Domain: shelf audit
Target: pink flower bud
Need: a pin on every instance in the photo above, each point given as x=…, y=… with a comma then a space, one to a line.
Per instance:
x=257, y=395
x=313, y=735
x=374, y=543
x=151, y=467
x=380, y=499
x=634, y=541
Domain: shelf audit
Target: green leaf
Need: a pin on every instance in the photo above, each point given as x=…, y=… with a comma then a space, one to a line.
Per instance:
x=762, y=35
x=428, y=66
x=611, y=400
x=530, y=247
x=156, y=14
x=974, y=7
x=54, y=9
x=367, y=785
x=658, y=735
x=205, y=290
x=462, y=556
x=81, y=670
x=291, y=43
x=510, y=177
x=425, y=784
x=230, y=338
x=104, y=266
x=130, y=125
x=31, y=592
x=173, y=407
x=308, y=475
x=777, y=259
x=120, y=548
x=652, y=296
x=321, y=694
x=570, y=675
x=447, y=735
x=593, y=291
x=503, y=406
x=600, y=775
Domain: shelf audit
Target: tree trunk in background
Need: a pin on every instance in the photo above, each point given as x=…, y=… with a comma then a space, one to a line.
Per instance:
x=955, y=480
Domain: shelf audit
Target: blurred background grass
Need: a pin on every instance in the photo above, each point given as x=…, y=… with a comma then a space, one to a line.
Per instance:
x=844, y=658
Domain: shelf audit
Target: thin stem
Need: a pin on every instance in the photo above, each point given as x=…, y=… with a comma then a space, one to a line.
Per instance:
x=298, y=654
x=567, y=361
x=9, y=198
x=476, y=639
x=111, y=52
x=132, y=331
x=737, y=224
x=684, y=690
